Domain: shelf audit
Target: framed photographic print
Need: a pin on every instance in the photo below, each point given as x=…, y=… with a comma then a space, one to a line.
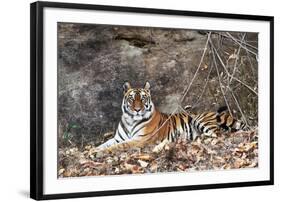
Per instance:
x=135, y=100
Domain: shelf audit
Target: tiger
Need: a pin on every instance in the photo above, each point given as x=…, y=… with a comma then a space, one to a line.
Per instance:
x=142, y=124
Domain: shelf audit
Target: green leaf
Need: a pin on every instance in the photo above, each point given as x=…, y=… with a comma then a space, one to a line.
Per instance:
x=74, y=126
x=65, y=135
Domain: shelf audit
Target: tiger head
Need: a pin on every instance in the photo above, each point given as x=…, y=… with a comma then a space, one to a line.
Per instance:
x=137, y=103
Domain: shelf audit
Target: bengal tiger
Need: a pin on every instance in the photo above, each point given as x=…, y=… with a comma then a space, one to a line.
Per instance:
x=141, y=123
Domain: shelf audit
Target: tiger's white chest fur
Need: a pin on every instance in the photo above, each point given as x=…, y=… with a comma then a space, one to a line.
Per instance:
x=133, y=126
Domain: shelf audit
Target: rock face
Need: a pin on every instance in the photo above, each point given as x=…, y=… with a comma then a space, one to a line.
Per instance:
x=95, y=60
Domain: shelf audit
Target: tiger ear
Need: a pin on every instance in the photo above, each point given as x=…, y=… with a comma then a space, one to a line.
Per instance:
x=147, y=85
x=126, y=87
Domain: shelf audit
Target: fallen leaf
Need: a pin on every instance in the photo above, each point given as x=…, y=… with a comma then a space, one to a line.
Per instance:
x=61, y=171
x=143, y=163
x=145, y=157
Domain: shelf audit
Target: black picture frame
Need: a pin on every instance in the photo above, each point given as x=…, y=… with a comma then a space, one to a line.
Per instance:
x=37, y=101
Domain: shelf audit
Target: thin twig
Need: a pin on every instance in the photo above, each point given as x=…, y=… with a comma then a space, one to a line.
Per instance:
x=220, y=83
x=199, y=65
x=238, y=105
x=234, y=39
x=235, y=63
x=187, y=89
x=250, y=60
x=228, y=74
x=82, y=144
x=243, y=42
x=182, y=109
x=204, y=88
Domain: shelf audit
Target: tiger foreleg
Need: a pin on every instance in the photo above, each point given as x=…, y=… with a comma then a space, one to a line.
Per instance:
x=122, y=146
x=107, y=144
x=210, y=134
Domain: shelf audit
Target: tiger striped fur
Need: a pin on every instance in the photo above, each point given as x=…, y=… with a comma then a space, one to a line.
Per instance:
x=141, y=123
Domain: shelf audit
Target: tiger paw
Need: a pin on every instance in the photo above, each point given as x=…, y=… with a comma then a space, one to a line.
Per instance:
x=210, y=134
x=158, y=148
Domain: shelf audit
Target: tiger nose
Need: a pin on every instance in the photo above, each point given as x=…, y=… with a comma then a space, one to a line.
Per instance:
x=137, y=109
